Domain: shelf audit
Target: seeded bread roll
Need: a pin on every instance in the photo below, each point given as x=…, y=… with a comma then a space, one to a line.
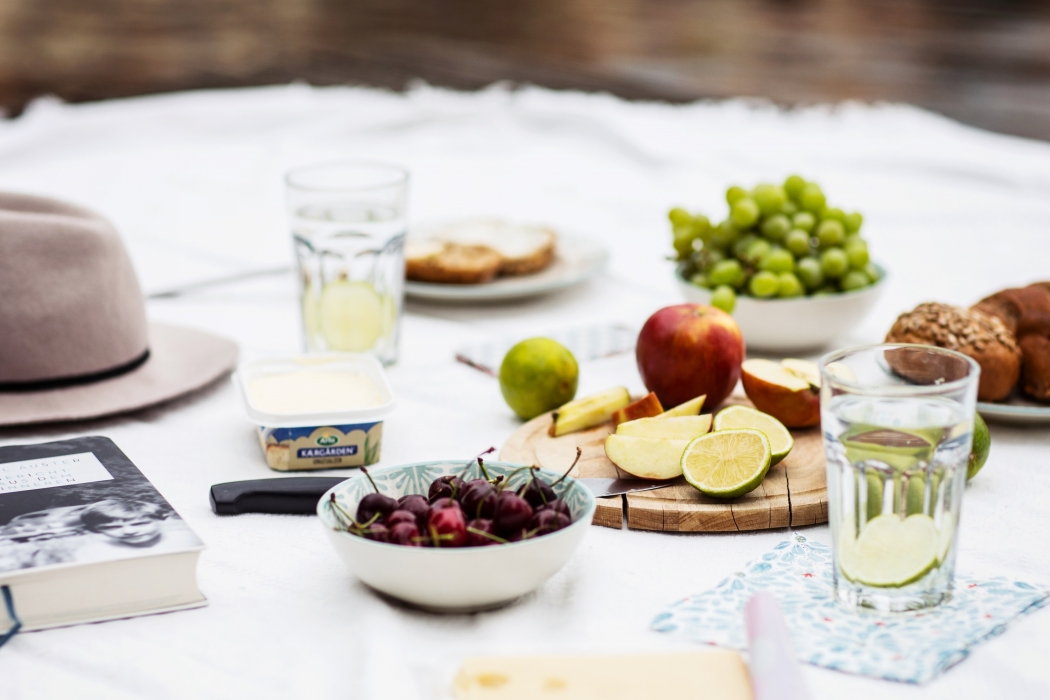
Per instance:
x=1035, y=376
x=1026, y=311
x=971, y=332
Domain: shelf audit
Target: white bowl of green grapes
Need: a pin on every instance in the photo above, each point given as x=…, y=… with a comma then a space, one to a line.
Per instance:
x=793, y=271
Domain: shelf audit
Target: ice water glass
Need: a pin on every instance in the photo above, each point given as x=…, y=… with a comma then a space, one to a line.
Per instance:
x=898, y=425
x=348, y=222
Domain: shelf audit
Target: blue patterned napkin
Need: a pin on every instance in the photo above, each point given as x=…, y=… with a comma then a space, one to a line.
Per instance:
x=911, y=647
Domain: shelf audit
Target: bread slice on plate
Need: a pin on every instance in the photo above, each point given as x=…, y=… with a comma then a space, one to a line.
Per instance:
x=472, y=252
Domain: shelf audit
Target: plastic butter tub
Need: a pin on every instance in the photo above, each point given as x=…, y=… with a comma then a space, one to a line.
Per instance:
x=317, y=411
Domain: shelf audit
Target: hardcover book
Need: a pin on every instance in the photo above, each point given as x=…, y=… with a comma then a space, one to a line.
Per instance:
x=85, y=537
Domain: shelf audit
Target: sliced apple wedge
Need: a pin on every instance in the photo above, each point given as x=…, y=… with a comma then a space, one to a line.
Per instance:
x=689, y=408
x=646, y=458
x=781, y=393
x=675, y=428
x=803, y=369
x=589, y=411
x=645, y=407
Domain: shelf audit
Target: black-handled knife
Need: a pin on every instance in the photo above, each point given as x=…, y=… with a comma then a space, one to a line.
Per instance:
x=298, y=495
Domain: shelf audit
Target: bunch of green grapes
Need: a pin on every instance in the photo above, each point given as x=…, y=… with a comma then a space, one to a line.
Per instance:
x=779, y=241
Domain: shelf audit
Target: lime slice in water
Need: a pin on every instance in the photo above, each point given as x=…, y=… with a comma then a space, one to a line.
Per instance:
x=890, y=552
x=351, y=316
x=727, y=463
x=780, y=440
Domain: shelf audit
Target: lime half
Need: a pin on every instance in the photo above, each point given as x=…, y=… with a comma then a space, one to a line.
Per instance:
x=891, y=552
x=351, y=316
x=735, y=417
x=727, y=463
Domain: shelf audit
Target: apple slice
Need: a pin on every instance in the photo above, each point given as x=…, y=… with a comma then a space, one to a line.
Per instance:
x=589, y=411
x=803, y=369
x=773, y=389
x=675, y=428
x=645, y=407
x=646, y=458
x=689, y=408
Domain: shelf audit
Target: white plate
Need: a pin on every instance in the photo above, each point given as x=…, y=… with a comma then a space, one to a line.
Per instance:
x=1015, y=410
x=576, y=259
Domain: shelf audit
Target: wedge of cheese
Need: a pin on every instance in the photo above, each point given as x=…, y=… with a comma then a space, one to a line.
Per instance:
x=715, y=674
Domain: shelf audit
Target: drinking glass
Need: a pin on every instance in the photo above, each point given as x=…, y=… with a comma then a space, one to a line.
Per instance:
x=898, y=424
x=348, y=222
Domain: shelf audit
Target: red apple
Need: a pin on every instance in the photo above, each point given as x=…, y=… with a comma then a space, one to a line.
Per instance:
x=788, y=390
x=687, y=350
x=645, y=407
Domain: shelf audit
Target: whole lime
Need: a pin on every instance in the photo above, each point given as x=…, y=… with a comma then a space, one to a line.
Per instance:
x=538, y=375
x=982, y=445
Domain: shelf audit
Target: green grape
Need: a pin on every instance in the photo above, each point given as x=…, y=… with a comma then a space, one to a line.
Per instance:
x=744, y=213
x=804, y=221
x=789, y=208
x=794, y=185
x=808, y=270
x=835, y=214
x=834, y=262
x=711, y=256
x=700, y=280
x=777, y=260
x=683, y=240
x=857, y=251
x=854, y=221
x=702, y=226
x=764, y=284
x=742, y=244
x=788, y=285
x=679, y=217
x=830, y=233
x=812, y=198
x=872, y=272
x=723, y=235
x=776, y=227
x=724, y=298
x=734, y=193
x=797, y=242
x=770, y=198
x=829, y=290
x=756, y=250
x=851, y=238
x=854, y=279
x=727, y=272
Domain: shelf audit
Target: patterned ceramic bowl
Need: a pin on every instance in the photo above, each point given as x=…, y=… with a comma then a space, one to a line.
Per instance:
x=461, y=579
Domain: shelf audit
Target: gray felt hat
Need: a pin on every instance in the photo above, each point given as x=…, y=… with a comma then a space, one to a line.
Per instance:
x=74, y=339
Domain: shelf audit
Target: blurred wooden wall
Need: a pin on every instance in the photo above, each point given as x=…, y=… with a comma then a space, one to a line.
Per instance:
x=986, y=62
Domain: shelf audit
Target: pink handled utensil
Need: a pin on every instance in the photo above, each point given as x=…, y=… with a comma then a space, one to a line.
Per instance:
x=775, y=673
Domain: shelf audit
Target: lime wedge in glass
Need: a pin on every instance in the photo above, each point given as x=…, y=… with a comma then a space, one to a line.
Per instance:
x=735, y=417
x=890, y=552
x=727, y=463
x=351, y=316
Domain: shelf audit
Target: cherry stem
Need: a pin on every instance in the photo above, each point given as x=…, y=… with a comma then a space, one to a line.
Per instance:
x=365, y=471
x=478, y=460
x=579, y=453
x=488, y=535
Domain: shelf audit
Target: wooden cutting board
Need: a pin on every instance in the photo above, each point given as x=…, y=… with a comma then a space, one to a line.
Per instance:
x=793, y=493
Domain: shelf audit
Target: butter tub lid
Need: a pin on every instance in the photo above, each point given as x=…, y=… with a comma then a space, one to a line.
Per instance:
x=314, y=390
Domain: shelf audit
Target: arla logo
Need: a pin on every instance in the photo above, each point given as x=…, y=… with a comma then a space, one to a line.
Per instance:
x=327, y=439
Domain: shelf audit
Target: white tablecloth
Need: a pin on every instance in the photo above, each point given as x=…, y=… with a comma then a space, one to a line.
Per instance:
x=194, y=183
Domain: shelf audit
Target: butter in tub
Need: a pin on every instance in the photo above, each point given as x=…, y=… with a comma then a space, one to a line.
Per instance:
x=317, y=411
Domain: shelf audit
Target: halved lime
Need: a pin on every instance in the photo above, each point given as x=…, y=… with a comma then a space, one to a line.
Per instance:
x=728, y=463
x=735, y=417
x=890, y=552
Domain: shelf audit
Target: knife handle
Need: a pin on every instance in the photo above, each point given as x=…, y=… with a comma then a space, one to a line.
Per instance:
x=297, y=495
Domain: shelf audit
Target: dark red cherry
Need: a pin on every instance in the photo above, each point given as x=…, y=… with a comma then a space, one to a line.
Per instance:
x=445, y=487
x=481, y=525
x=537, y=492
x=377, y=532
x=512, y=512
x=479, y=499
x=401, y=516
x=373, y=504
x=417, y=505
x=547, y=521
x=447, y=527
x=558, y=506
x=406, y=534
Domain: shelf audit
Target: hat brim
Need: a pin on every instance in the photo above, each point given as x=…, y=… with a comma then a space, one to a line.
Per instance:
x=181, y=360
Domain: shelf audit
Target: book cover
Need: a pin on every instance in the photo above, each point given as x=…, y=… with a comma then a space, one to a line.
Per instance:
x=80, y=501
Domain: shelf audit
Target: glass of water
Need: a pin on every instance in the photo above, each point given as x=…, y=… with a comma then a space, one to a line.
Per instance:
x=348, y=222
x=898, y=424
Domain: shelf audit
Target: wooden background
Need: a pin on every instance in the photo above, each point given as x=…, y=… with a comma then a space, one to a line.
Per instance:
x=986, y=62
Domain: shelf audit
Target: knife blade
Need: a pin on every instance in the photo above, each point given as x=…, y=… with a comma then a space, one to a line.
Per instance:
x=298, y=495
